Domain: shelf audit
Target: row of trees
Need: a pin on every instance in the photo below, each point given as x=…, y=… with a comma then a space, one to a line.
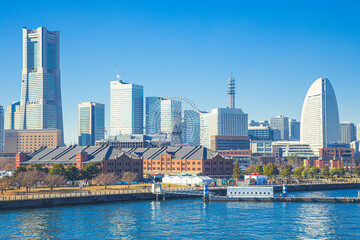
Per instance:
x=286, y=171
x=71, y=173
x=35, y=174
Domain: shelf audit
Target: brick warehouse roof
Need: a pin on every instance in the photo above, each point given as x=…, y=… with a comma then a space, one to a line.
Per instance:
x=198, y=152
x=105, y=152
x=68, y=154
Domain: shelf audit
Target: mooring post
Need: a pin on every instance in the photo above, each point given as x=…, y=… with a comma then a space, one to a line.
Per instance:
x=206, y=193
x=284, y=190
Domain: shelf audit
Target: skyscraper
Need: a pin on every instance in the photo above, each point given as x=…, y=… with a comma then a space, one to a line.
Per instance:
x=1, y=129
x=151, y=114
x=294, y=129
x=347, y=132
x=126, y=108
x=320, y=116
x=228, y=122
x=192, y=127
x=281, y=123
x=205, y=129
x=12, y=116
x=171, y=120
x=40, y=104
x=91, y=118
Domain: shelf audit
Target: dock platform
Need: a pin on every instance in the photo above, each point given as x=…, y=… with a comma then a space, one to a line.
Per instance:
x=287, y=199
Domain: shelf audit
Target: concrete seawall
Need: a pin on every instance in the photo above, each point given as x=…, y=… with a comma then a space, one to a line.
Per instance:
x=138, y=196
x=52, y=202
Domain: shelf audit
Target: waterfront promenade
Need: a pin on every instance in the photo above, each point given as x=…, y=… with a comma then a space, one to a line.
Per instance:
x=92, y=197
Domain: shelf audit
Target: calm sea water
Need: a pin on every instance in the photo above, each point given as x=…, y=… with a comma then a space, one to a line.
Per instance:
x=188, y=219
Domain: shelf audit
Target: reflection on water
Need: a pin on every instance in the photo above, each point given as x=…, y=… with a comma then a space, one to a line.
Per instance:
x=187, y=219
x=314, y=221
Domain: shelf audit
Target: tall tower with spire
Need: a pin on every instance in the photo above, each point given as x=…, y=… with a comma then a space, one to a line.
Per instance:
x=231, y=91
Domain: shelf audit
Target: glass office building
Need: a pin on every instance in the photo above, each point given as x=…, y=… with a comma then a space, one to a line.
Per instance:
x=91, y=123
x=152, y=113
x=40, y=104
x=126, y=108
x=12, y=116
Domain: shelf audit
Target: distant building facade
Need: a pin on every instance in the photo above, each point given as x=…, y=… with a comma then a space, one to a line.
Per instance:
x=12, y=116
x=218, y=143
x=347, y=132
x=263, y=133
x=281, y=123
x=152, y=112
x=205, y=129
x=126, y=108
x=228, y=122
x=30, y=140
x=91, y=123
x=294, y=130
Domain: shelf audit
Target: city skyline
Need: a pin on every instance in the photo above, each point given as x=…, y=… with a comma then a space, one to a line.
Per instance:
x=187, y=78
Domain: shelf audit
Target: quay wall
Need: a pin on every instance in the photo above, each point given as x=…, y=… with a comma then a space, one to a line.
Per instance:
x=112, y=196
x=91, y=199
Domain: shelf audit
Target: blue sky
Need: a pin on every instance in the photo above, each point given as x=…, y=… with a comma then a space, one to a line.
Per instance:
x=275, y=50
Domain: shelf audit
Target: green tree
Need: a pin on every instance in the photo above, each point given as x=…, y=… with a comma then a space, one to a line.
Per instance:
x=325, y=172
x=306, y=173
x=236, y=171
x=58, y=169
x=357, y=171
x=19, y=170
x=286, y=173
x=298, y=171
x=271, y=170
x=259, y=169
x=341, y=172
x=72, y=173
x=315, y=171
x=89, y=171
x=334, y=171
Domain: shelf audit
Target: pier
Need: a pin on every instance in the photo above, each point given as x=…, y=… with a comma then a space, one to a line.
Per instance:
x=288, y=199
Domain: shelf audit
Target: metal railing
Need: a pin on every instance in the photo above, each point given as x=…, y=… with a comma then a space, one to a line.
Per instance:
x=96, y=193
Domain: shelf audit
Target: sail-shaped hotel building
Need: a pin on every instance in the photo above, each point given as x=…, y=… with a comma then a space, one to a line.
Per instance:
x=320, y=116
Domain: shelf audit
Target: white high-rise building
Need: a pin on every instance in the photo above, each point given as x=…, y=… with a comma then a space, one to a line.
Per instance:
x=12, y=116
x=358, y=132
x=1, y=129
x=40, y=104
x=126, y=108
x=91, y=119
x=228, y=122
x=347, y=132
x=205, y=129
x=171, y=120
x=320, y=116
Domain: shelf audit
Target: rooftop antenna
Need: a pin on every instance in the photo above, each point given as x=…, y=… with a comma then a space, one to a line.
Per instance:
x=231, y=91
x=118, y=77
